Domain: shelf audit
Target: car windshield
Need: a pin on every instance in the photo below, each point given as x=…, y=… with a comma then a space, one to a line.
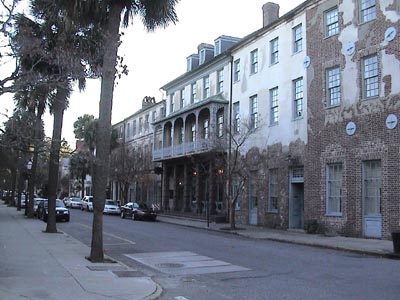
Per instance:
x=139, y=205
x=59, y=203
x=111, y=202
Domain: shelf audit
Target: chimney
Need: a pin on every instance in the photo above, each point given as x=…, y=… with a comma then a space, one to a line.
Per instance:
x=270, y=13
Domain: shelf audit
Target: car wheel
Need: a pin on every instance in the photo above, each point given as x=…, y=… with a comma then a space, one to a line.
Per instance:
x=122, y=215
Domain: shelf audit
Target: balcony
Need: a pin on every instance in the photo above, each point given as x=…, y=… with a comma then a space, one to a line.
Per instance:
x=190, y=148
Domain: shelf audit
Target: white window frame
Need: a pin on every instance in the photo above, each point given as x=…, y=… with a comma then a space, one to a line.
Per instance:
x=334, y=185
x=298, y=94
x=134, y=128
x=128, y=129
x=171, y=103
x=331, y=19
x=206, y=129
x=236, y=116
x=274, y=51
x=370, y=72
x=236, y=70
x=206, y=87
x=273, y=191
x=254, y=61
x=367, y=10
x=193, y=132
x=297, y=39
x=333, y=86
x=274, y=101
x=182, y=98
x=220, y=121
x=253, y=112
x=193, y=92
x=220, y=81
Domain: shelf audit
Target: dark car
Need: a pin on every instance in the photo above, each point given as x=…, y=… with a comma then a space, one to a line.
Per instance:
x=62, y=213
x=138, y=211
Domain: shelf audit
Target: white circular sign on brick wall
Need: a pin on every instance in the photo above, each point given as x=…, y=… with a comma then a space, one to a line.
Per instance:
x=391, y=121
x=351, y=128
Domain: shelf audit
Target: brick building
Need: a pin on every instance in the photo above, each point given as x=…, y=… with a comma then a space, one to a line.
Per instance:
x=352, y=184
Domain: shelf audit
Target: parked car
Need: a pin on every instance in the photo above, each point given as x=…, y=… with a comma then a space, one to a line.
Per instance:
x=62, y=213
x=72, y=202
x=87, y=203
x=138, y=211
x=111, y=207
x=36, y=202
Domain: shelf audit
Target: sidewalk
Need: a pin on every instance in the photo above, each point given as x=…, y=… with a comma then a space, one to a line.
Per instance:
x=380, y=248
x=38, y=265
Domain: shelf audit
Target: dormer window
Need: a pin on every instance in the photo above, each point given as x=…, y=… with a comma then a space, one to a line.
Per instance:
x=202, y=56
x=217, y=49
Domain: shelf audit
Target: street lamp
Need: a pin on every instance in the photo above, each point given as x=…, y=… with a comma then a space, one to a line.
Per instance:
x=28, y=173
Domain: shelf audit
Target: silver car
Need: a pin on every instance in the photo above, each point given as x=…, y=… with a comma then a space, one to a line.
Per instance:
x=73, y=202
x=111, y=207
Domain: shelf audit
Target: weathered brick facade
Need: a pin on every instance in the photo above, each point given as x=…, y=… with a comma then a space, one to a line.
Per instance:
x=328, y=141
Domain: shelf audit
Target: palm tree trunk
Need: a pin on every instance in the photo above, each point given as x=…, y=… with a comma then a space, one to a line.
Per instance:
x=103, y=136
x=37, y=139
x=58, y=111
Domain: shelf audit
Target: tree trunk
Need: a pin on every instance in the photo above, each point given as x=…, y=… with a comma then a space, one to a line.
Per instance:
x=232, y=214
x=103, y=135
x=37, y=141
x=58, y=112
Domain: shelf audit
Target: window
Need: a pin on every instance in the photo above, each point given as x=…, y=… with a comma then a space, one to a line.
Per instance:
x=181, y=135
x=274, y=105
x=154, y=116
x=220, y=79
x=273, y=191
x=202, y=56
x=370, y=77
x=206, y=87
x=331, y=22
x=254, y=61
x=217, y=49
x=253, y=112
x=172, y=103
x=334, y=175
x=205, y=129
x=236, y=70
x=274, y=47
x=372, y=187
x=298, y=97
x=162, y=111
x=146, y=122
x=193, y=92
x=367, y=10
x=333, y=86
x=140, y=125
x=236, y=116
x=128, y=130
x=134, y=128
x=193, y=132
x=297, y=39
x=220, y=125
x=182, y=104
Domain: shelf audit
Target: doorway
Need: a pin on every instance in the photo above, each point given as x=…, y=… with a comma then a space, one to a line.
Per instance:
x=296, y=198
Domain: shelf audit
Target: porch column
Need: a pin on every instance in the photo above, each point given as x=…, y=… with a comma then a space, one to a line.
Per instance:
x=165, y=189
x=198, y=200
x=212, y=189
x=186, y=187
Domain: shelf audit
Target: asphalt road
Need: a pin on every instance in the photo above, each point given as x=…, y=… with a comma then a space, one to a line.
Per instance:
x=197, y=264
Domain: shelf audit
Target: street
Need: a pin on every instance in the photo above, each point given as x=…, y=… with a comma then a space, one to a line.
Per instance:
x=197, y=264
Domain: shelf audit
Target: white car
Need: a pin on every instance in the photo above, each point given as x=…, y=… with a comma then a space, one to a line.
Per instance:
x=73, y=202
x=111, y=207
x=87, y=203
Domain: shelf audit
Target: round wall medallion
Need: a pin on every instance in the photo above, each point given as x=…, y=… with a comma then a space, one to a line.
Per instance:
x=306, y=62
x=351, y=128
x=391, y=121
x=390, y=34
x=350, y=47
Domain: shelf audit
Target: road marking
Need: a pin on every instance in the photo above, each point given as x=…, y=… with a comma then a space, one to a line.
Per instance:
x=110, y=234
x=184, y=263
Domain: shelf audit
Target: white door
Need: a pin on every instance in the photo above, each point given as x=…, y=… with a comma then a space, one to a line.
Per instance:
x=372, y=218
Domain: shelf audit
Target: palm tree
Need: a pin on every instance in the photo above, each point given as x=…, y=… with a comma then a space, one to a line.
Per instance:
x=108, y=16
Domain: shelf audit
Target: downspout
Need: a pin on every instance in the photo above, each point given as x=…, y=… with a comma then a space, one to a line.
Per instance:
x=229, y=183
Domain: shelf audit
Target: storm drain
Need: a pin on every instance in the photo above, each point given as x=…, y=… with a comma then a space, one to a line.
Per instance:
x=106, y=268
x=128, y=274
